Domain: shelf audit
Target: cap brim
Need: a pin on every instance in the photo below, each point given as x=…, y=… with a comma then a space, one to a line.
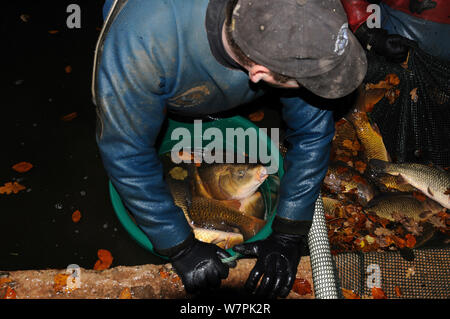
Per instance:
x=343, y=79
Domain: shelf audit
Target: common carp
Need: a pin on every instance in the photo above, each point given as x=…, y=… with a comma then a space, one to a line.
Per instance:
x=390, y=183
x=405, y=204
x=228, y=181
x=332, y=206
x=222, y=239
x=432, y=181
x=201, y=212
x=207, y=212
x=347, y=183
x=253, y=206
x=369, y=135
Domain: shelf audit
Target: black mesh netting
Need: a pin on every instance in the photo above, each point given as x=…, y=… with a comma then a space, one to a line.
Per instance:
x=427, y=276
x=416, y=127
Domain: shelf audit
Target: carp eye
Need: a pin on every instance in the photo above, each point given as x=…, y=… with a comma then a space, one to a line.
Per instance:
x=241, y=173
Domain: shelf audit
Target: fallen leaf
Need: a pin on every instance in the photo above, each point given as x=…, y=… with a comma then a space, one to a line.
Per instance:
x=381, y=231
x=175, y=278
x=398, y=291
x=256, y=116
x=390, y=81
x=104, y=260
x=392, y=95
x=5, y=281
x=405, y=63
x=359, y=179
x=22, y=167
x=437, y=222
x=68, y=69
x=25, y=17
x=370, y=240
x=60, y=282
x=164, y=274
x=410, y=241
x=360, y=166
x=399, y=242
x=349, y=294
x=414, y=96
x=9, y=188
x=302, y=286
x=411, y=271
x=125, y=294
x=10, y=293
x=419, y=196
x=69, y=117
x=76, y=216
x=178, y=173
x=378, y=293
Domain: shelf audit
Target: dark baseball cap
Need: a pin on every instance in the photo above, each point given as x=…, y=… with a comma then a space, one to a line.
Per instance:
x=308, y=40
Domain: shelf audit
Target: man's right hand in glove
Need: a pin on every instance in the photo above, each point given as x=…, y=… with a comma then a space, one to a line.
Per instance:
x=392, y=46
x=199, y=265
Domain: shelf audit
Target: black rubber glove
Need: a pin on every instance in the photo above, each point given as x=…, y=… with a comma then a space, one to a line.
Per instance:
x=277, y=259
x=199, y=265
x=392, y=46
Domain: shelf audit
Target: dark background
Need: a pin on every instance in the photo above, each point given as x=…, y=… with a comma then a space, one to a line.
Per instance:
x=35, y=93
x=37, y=231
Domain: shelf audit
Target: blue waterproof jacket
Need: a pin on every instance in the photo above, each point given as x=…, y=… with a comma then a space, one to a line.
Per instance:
x=156, y=55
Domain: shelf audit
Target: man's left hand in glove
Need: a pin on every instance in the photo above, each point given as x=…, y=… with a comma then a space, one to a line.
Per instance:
x=277, y=259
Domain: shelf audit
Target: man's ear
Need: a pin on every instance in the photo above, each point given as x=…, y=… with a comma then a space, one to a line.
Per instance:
x=257, y=72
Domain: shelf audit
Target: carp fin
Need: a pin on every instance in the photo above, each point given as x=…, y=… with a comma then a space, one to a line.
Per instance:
x=430, y=192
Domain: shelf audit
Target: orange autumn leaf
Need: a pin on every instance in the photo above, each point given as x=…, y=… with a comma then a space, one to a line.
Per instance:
x=414, y=96
x=22, y=167
x=378, y=293
x=419, y=196
x=341, y=169
x=10, y=293
x=60, y=282
x=341, y=122
x=76, y=216
x=9, y=188
x=176, y=279
x=359, y=179
x=352, y=145
x=125, y=294
x=393, y=79
x=398, y=291
x=5, y=281
x=349, y=294
x=164, y=274
x=390, y=80
x=399, y=242
x=68, y=69
x=69, y=117
x=360, y=166
x=256, y=116
x=104, y=260
x=410, y=241
x=302, y=286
